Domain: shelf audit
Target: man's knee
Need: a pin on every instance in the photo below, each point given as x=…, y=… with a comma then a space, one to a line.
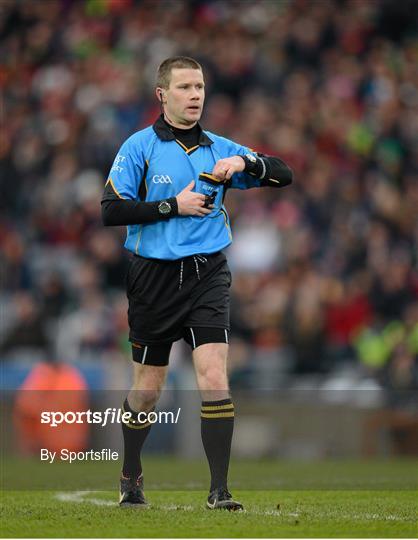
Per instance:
x=210, y=365
x=147, y=386
x=212, y=376
x=143, y=400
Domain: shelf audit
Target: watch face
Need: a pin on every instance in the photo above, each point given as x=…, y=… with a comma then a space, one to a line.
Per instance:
x=164, y=207
x=250, y=157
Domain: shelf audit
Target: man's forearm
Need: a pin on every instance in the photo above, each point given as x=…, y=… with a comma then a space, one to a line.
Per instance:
x=128, y=212
x=272, y=171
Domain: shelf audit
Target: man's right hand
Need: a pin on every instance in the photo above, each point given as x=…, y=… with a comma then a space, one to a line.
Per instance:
x=191, y=203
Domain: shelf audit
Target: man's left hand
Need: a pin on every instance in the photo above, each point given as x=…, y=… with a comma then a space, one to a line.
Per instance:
x=225, y=168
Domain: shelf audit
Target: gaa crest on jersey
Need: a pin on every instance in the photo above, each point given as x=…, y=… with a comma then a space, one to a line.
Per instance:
x=161, y=179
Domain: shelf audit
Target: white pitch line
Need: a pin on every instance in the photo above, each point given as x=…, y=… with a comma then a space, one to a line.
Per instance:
x=336, y=515
x=80, y=497
x=372, y=517
x=85, y=497
x=332, y=515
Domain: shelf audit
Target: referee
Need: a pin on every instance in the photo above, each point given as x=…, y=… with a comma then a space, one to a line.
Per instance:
x=167, y=185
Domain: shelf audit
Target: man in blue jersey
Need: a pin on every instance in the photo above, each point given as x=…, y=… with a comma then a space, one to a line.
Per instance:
x=167, y=185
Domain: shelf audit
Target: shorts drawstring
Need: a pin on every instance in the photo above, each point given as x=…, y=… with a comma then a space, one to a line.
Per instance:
x=196, y=260
x=197, y=268
x=181, y=274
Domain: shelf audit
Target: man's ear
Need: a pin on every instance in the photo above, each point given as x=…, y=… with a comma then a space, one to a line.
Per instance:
x=160, y=95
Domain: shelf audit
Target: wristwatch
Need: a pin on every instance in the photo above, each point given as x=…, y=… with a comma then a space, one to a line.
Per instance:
x=164, y=208
x=250, y=164
x=250, y=157
x=254, y=166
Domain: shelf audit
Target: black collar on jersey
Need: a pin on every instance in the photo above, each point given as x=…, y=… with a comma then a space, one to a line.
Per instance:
x=165, y=134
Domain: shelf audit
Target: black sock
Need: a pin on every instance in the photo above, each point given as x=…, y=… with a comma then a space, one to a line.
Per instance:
x=217, y=427
x=134, y=435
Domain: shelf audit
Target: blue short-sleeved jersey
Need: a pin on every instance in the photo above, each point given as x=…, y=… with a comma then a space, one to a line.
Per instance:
x=151, y=165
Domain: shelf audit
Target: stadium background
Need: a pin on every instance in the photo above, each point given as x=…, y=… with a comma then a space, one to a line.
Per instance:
x=324, y=301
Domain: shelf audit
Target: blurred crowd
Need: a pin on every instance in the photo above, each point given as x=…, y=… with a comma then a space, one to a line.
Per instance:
x=324, y=271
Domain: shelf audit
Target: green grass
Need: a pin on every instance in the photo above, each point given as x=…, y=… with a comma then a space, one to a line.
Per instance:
x=176, y=474
x=181, y=514
x=324, y=499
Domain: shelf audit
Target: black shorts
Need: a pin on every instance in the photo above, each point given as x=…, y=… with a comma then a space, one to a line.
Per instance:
x=168, y=298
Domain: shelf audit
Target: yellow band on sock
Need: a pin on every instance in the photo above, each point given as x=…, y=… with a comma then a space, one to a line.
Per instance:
x=137, y=426
x=217, y=407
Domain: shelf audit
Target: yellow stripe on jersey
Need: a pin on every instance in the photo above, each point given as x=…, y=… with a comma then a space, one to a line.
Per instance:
x=145, y=177
x=226, y=223
x=182, y=145
x=110, y=181
x=137, y=242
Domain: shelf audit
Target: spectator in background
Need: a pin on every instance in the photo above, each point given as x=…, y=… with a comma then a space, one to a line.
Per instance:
x=339, y=103
x=28, y=332
x=53, y=386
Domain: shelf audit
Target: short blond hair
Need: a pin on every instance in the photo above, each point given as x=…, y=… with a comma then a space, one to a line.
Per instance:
x=174, y=62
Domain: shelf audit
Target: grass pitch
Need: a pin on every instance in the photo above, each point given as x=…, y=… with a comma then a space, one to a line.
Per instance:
x=383, y=504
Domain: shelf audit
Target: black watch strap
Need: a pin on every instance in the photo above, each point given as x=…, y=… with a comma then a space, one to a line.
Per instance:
x=255, y=166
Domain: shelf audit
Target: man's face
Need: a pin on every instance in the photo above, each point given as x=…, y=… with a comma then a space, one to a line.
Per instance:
x=184, y=97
